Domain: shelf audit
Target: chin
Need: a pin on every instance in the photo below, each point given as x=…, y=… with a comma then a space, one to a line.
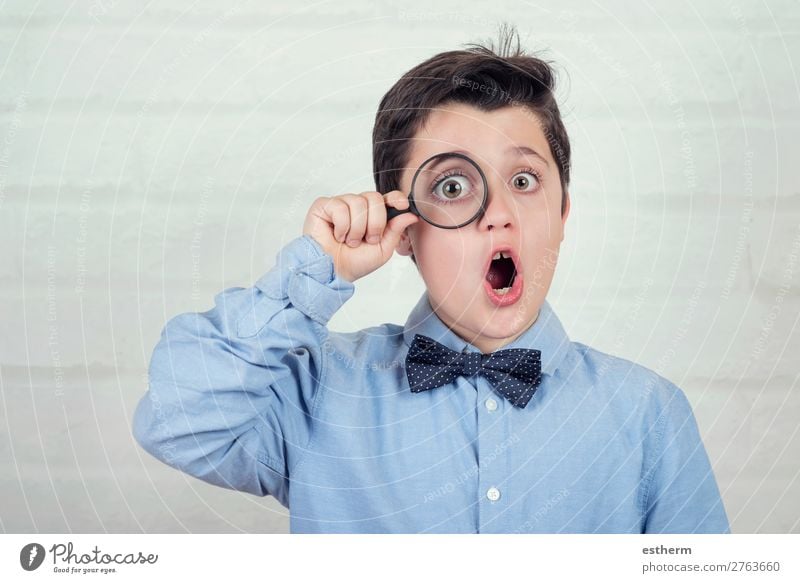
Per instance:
x=505, y=323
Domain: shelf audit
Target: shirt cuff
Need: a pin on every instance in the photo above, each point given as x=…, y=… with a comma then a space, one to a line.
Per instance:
x=305, y=275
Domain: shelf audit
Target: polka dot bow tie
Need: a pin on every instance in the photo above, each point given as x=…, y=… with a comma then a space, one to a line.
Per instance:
x=515, y=373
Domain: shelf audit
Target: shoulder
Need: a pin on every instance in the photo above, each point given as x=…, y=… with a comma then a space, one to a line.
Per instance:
x=365, y=362
x=615, y=378
x=367, y=345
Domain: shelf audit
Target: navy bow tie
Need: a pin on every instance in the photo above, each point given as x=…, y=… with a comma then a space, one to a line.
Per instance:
x=515, y=373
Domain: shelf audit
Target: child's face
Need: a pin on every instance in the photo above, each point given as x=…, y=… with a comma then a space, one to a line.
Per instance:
x=522, y=214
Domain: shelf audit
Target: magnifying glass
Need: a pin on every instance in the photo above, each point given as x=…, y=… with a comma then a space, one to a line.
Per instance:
x=448, y=191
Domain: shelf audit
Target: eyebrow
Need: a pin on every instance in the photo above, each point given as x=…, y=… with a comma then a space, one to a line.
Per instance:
x=523, y=150
x=520, y=150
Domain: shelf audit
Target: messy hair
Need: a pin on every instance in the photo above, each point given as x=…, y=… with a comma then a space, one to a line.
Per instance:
x=480, y=76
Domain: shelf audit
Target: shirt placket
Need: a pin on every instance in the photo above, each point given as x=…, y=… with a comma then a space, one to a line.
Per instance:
x=493, y=494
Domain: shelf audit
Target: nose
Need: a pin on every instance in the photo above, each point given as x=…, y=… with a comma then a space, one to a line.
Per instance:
x=499, y=211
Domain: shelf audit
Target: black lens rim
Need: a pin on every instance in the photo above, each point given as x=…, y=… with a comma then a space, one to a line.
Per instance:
x=413, y=205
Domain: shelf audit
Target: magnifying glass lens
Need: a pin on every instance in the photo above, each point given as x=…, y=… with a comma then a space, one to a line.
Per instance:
x=449, y=190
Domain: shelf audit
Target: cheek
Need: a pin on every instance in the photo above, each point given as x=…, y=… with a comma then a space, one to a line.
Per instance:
x=544, y=227
x=542, y=263
x=445, y=261
x=542, y=239
x=431, y=250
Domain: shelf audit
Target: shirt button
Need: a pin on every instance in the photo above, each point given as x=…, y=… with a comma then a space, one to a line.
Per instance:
x=493, y=494
x=491, y=404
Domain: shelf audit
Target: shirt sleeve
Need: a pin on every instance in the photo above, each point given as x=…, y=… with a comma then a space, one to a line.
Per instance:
x=232, y=391
x=681, y=493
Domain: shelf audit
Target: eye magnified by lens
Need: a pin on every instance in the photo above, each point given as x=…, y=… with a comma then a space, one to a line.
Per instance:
x=449, y=191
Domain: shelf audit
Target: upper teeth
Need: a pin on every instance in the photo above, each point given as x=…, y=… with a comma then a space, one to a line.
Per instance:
x=501, y=254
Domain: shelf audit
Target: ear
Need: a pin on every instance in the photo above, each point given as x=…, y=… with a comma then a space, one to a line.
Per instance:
x=404, y=247
x=565, y=214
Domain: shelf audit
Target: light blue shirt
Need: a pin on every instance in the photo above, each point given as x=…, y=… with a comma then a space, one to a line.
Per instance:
x=257, y=395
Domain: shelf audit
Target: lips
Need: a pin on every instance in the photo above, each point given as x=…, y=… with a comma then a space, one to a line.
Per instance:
x=503, y=279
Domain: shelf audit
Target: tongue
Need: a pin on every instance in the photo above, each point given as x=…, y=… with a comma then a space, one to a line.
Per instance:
x=499, y=274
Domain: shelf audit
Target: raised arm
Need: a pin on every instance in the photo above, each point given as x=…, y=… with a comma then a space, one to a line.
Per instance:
x=232, y=391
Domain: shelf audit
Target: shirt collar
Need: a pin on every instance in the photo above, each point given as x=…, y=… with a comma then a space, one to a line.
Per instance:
x=545, y=334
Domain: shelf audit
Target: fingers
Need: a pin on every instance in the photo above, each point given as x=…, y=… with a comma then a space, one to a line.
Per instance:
x=338, y=213
x=376, y=220
x=359, y=217
x=397, y=198
x=395, y=228
x=400, y=223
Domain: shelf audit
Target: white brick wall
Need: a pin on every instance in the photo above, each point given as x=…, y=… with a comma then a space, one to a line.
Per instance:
x=152, y=156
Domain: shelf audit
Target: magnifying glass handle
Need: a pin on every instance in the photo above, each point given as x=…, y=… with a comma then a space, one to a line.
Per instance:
x=392, y=212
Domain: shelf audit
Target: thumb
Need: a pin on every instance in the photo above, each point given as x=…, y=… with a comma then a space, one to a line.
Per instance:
x=395, y=228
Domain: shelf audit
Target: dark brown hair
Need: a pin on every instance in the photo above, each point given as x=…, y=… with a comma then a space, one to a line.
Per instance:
x=479, y=76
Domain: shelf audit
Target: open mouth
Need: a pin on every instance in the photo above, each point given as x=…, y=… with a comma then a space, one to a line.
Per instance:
x=503, y=280
x=502, y=273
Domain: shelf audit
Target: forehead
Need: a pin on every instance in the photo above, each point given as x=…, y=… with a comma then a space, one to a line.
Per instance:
x=486, y=135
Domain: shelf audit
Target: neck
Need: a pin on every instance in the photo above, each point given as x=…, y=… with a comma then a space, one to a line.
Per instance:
x=487, y=344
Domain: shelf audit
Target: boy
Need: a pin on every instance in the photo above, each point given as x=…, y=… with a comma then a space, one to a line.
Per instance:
x=479, y=415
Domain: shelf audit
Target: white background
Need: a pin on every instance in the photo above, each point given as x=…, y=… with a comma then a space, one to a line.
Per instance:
x=154, y=153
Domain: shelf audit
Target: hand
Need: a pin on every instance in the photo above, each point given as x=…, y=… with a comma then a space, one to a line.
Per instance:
x=352, y=229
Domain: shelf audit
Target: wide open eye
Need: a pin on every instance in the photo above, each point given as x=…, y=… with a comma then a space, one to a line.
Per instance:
x=452, y=188
x=525, y=181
